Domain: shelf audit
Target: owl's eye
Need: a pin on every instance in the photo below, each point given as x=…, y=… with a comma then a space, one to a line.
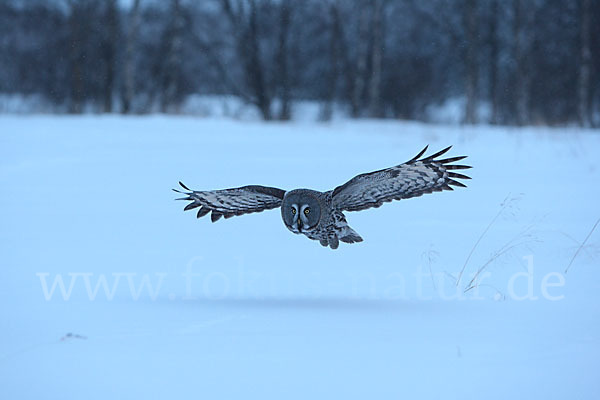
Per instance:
x=306, y=210
x=293, y=211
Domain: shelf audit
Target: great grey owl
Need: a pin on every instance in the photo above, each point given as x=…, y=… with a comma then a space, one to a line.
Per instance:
x=319, y=215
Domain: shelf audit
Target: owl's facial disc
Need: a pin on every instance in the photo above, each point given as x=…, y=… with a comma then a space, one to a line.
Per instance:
x=300, y=212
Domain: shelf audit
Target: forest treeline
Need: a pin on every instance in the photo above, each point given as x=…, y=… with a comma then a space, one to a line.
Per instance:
x=523, y=61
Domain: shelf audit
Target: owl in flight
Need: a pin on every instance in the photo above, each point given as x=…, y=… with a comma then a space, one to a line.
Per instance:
x=319, y=215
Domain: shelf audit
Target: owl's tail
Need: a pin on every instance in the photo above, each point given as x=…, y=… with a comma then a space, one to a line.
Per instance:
x=349, y=235
x=343, y=233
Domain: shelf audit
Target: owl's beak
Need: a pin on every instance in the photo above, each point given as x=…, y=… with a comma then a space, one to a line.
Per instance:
x=299, y=225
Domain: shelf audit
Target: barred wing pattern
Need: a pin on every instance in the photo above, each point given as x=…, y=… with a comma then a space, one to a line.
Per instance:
x=231, y=202
x=411, y=179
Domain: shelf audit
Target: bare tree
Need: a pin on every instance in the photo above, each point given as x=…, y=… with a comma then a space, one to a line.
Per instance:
x=520, y=49
x=255, y=70
x=133, y=27
x=335, y=45
x=471, y=68
x=245, y=25
x=109, y=52
x=494, y=59
x=285, y=11
x=375, y=110
x=584, y=89
x=171, y=91
x=360, y=69
x=76, y=33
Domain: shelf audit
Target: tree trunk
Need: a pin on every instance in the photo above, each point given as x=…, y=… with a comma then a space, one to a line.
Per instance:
x=521, y=89
x=282, y=59
x=254, y=68
x=376, y=61
x=171, y=90
x=246, y=33
x=585, y=65
x=335, y=41
x=494, y=60
x=75, y=59
x=471, y=70
x=129, y=59
x=110, y=53
x=361, y=63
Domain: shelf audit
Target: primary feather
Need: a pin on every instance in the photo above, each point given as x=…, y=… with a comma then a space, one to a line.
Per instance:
x=410, y=179
x=231, y=202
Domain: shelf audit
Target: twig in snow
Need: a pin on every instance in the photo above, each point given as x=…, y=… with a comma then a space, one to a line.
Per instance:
x=578, y=244
x=582, y=244
x=72, y=336
x=503, y=205
x=431, y=257
x=498, y=296
x=511, y=244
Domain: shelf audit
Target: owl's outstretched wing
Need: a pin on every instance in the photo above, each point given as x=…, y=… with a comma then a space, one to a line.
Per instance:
x=231, y=202
x=411, y=179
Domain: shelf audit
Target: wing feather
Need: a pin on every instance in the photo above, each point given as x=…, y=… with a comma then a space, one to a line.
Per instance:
x=411, y=179
x=228, y=203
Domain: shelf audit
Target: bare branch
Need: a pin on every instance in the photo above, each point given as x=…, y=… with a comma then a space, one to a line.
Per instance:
x=582, y=244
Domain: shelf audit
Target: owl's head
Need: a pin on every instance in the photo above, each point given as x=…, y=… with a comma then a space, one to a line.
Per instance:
x=301, y=210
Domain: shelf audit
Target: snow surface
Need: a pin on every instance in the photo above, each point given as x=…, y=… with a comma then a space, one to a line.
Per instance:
x=268, y=314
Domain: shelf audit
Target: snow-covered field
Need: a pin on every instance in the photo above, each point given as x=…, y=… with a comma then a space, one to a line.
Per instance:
x=110, y=290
